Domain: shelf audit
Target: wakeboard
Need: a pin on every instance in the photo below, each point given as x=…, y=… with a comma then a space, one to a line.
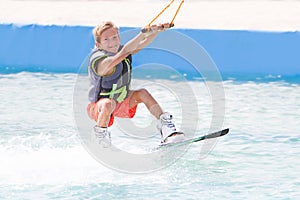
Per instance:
x=196, y=139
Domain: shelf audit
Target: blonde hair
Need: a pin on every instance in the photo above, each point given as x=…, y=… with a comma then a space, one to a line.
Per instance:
x=99, y=29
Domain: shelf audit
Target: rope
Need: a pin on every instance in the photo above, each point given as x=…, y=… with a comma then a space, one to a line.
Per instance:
x=182, y=1
x=148, y=27
x=161, y=12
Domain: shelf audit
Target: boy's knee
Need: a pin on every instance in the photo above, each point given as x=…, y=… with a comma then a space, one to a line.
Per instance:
x=107, y=105
x=143, y=94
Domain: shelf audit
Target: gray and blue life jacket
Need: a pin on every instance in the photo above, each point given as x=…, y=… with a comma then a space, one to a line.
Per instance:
x=114, y=86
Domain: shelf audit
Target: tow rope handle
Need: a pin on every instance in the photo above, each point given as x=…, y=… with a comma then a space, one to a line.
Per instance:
x=162, y=26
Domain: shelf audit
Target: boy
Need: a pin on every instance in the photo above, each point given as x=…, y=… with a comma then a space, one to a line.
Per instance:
x=110, y=75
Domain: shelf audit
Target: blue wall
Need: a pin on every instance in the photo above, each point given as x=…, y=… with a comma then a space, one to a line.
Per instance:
x=52, y=48
x=43, y=48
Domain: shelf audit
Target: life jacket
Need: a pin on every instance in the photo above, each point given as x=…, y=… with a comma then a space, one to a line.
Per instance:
x=114, y=86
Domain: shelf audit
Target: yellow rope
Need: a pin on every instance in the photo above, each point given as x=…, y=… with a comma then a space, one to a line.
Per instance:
x=182, y=1
x=172, y=24
x=161, y=13
x=148, y=27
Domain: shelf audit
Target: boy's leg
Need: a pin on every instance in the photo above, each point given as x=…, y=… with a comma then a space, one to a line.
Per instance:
x=143, y=96
x=168, y=130
x=101, y=113
x=105, y=108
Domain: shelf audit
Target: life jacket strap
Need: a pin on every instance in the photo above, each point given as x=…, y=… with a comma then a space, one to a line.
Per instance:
x=122, y=91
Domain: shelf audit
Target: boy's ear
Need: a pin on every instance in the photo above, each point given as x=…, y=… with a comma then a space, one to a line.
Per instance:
x=98, y=45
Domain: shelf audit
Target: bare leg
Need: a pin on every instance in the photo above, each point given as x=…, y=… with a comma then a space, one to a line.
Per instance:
x=143, y=96
x=169, y=133
x=106, y=107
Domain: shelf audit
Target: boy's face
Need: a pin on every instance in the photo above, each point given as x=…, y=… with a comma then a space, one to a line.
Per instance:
x=110, y=40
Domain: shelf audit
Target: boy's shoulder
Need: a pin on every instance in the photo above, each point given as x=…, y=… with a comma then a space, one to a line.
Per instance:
x=96, y=53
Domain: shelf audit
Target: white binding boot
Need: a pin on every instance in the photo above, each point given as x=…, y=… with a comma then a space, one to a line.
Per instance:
x=102, y=136
x=168, y=130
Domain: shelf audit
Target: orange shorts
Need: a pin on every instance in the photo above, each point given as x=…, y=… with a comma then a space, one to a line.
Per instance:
x=122, y=110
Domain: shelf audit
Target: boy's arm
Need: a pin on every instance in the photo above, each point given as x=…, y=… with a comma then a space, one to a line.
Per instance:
x=152, y=33
x=145, y=42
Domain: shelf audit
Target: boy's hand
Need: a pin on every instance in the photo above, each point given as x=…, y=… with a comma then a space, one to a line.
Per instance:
x=159, y=28
x=163, y=27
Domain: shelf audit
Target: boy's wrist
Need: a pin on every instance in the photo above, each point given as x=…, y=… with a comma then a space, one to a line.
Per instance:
x=146, y=30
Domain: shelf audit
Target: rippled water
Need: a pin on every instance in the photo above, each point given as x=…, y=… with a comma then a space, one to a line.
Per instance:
x=42, y=156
